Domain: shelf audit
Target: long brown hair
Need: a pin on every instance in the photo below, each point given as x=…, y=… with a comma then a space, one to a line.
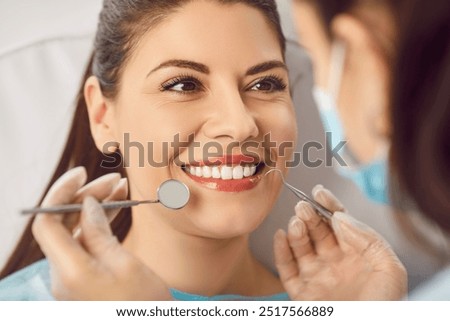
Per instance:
x=121, y=24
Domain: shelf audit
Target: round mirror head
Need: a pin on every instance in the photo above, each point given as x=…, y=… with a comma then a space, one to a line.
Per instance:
x=173, y=194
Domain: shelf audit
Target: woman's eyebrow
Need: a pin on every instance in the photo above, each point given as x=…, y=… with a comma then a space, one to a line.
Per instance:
x=182, y=64
x=259, y=68
x=265, y=66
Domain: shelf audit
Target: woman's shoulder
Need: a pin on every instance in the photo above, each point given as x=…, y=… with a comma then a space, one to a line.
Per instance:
x=33, y=284
x=29, y=284
x=436, y=289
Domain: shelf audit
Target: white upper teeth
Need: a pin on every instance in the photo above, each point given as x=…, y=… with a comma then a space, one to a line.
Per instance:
x=238, y=172
x=206, y=172
x=226, y=172
x=215, y=172
x=223, y=172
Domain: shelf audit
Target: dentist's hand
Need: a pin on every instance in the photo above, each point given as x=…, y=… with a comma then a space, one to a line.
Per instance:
x=345, y=261
x=93, y=265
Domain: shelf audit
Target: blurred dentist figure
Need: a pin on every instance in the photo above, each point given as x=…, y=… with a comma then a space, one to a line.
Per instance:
x=352, y=45
x=417, y=118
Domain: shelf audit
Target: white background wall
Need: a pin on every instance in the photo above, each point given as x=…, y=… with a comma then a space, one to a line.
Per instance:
x=43, y=48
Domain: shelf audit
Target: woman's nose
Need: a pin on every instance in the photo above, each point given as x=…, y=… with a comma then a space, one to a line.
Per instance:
x=231, y=119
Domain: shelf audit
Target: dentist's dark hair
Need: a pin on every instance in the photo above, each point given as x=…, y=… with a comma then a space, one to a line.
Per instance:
x=385, y=44
x=121, y=25
x=420, y=113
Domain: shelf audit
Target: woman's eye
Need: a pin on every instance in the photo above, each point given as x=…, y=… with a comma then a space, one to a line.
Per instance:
x=182, y=85
x=264, y=86
x=269, y=84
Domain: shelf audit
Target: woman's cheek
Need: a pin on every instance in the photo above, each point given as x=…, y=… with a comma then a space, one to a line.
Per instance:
x=282, y=127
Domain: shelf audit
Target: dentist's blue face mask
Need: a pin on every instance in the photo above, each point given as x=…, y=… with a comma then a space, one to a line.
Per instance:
x=371, y=178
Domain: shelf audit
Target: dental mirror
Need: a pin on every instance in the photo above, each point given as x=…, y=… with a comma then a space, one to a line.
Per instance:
x=172, y=193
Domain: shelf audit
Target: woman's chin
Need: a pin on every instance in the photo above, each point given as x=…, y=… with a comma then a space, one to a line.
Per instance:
x=228, y=221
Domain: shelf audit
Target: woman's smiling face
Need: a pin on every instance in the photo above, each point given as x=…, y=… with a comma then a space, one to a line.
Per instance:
x=208, y=76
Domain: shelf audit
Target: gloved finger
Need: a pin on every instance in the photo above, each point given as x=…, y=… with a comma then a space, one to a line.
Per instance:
x=63, y=192
x=119, y=193
x=63, y=252
x=99, y=188
x=355, y=236
x=64, y=189
x=285, y=262
x=47, y=228
x=321, y=235
x=358, y=238
x=299, y=240
x=97, y=237
x=327, y=199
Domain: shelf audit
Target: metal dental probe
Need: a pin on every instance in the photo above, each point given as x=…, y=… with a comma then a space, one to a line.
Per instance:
x=319, y=208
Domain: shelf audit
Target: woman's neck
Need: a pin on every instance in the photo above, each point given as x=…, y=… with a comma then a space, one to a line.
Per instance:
x=199, y=265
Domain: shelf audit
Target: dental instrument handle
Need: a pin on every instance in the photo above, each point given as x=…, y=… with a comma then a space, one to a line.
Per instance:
x=323, y=211
x=73, y=208
x=318, y=207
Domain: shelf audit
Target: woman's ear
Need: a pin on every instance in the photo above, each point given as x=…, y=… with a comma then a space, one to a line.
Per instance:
x=100, y=116
x=352, y=31
x=367, y=78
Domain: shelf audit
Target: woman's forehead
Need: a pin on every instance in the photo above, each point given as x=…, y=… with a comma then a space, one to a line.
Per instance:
x=213, y=34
